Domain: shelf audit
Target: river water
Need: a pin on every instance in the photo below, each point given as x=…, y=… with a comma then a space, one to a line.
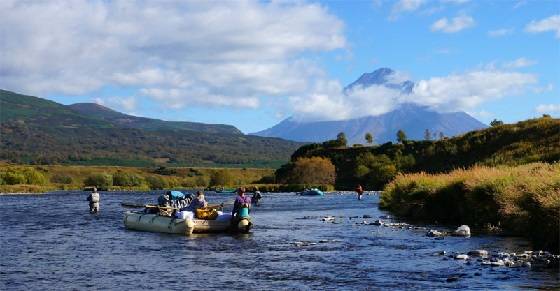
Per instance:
x=51, y=242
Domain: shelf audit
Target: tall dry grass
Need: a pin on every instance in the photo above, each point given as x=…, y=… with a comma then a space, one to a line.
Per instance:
x=522, y=200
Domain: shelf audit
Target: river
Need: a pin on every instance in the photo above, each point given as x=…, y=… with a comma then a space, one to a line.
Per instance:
x=50, y=241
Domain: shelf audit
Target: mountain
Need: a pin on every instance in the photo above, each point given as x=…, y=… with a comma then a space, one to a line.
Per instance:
x=128, y=121
x=413, y=119
x=382, y=76
x=35, y=130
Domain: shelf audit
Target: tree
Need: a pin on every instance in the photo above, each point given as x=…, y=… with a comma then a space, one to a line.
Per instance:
x=99, y=180
x=374, y=172
x=221, y=178
x=314, y=170
x=441, y=135
x=427, y=134
x=369, y=138
x=496, y=122
x=341, y=138
x=157, y=182
x=401, y=136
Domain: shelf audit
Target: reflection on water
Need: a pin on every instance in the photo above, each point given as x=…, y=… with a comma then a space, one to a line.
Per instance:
x=51, y=241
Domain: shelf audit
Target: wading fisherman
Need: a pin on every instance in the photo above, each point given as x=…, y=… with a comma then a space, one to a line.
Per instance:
x=256, y=197
x=360, y=191
x=93, y=199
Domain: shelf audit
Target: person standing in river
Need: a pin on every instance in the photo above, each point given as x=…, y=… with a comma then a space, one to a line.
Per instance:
x=360, y=191
x=241, y=201
x=93, y=199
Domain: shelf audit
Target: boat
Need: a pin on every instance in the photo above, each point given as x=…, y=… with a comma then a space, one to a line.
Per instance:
x=312, y=192
x=228, y=191
x=139, y=220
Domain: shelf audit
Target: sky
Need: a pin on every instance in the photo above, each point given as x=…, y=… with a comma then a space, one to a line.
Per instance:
x=252, y=64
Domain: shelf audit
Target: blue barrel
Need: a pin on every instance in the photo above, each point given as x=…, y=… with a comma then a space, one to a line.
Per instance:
x=243, y=212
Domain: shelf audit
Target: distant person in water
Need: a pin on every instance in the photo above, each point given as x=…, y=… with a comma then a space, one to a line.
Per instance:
x=241, y=201
x=360, y=192
x=256, y=197
x=93, y=199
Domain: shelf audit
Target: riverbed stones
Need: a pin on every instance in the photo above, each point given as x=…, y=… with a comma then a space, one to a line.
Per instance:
x=328, y=218
x=366, y=216
x=463, y=230
x=377, y=222
x=478, y=253
x=497, y=263
x=461, y=257
x=434, y=233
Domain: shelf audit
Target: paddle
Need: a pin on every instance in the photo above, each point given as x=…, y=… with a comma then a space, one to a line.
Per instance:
x=134, y=205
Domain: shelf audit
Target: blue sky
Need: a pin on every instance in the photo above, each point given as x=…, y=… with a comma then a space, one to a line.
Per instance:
x=252, y=64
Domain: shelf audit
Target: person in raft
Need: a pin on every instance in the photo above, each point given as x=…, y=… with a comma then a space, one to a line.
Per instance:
x=198, y=202
x=93, y=199
x=241, y=201
x=360, y=191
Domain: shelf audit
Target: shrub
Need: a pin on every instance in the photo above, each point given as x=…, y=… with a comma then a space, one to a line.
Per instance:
x=157, y=182
x=12, y=177
x=524, y=200
x=100, y=180
x=61, y=179
x=314, y=170
x=127, y=179
x=221, y=178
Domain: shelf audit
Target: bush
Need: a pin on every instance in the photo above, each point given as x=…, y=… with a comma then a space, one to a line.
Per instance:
x=127, y=179
x=202, y=181
x=12, y=177
x=221, y=178
x=157, y=183
x=524, y=200
x=314, y=170
x=100, y=180
x=34, y=177
x=61, y=179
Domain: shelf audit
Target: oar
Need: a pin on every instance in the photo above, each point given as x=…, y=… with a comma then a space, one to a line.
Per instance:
x=133, y=205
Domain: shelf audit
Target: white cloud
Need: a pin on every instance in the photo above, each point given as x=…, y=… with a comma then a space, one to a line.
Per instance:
x=548, y=108
x=500, y=32
x=127, y=104
x=519, y=63
x=177, y=52
x=454, y=25
x=468, y=90
x=456, y=92
x=404, y=6
x=551, y=23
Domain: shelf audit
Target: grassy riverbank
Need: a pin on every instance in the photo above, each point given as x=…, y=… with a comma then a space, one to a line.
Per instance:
x=36, y=179
x=520, y=200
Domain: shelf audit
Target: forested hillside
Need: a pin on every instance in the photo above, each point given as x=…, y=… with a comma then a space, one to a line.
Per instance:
x=38, y=131
x=510, y=144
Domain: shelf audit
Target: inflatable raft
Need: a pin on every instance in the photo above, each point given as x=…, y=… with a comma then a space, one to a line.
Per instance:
x=312, y=192
x=157, y=223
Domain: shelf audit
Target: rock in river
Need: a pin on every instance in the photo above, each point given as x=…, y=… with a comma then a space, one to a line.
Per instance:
x=461, y=257
x=463, y=230
x=434, y=233
x=478, y=253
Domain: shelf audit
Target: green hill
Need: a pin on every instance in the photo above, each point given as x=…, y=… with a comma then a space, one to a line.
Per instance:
x=535, y=140
x=35, y=130
x=119, y=119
